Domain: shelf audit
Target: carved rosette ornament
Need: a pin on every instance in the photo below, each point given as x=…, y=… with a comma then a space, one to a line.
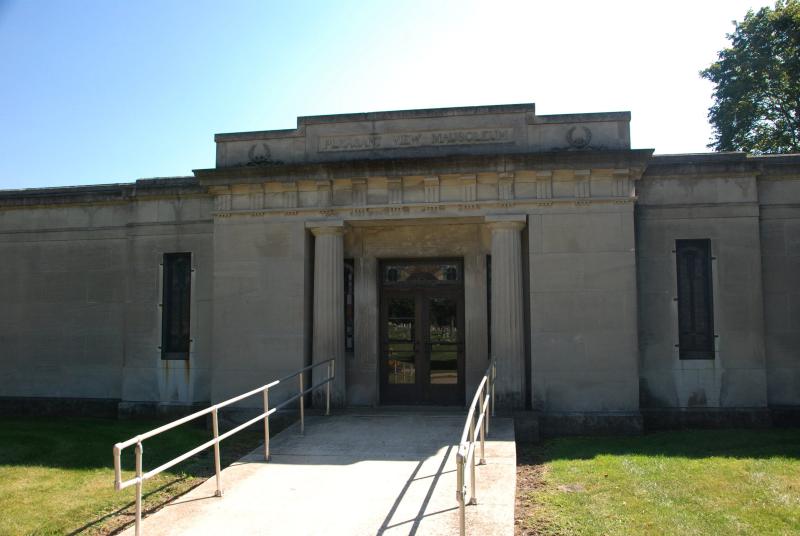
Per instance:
x=579, y=137
x=258, y=154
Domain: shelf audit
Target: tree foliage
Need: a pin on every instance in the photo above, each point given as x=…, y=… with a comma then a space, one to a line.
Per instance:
x=757, y=96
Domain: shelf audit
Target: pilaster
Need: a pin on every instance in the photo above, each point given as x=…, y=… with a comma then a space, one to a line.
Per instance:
x=328, y=330
x=508, y=333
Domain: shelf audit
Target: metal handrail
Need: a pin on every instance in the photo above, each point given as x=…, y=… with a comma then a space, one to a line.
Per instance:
x=141, y=476
x=484, y=398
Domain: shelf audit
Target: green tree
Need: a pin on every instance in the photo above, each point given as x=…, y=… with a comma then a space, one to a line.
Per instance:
x=757, y=96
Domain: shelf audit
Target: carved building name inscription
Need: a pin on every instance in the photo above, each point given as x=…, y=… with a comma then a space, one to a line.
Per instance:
x=431, y=138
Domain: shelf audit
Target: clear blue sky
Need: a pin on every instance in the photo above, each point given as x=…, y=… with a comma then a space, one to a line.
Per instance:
x=111, y=91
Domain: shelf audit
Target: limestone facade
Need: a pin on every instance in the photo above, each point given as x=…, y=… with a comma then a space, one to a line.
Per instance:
x=565, y=235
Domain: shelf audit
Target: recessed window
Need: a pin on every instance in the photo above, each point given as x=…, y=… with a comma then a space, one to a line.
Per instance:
x=695, y=299
x=176, y=305
x=349, y=306
x=489, y=305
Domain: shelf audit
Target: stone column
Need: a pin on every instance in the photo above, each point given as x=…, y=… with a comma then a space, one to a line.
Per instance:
x=328, y=332
x=508, y=332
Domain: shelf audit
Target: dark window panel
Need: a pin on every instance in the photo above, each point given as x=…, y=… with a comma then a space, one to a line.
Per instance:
x=489, y=304
x=349, y=305
x=176, y=305
x=695, y=303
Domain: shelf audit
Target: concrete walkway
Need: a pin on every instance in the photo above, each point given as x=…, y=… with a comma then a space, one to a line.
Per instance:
x=353, y=474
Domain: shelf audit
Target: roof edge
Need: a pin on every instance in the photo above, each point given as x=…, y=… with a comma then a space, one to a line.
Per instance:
x=119, y=189
x=416, y=113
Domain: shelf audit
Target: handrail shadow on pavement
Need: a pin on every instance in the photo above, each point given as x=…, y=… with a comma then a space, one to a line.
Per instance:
x=421, y=512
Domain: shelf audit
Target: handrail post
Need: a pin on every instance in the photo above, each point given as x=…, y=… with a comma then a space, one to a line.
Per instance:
x=217, y=464
x=482, y=431
x=486, y=396
x=266, y=425
x=328, y=389
x=494, y=377
x=117, y=467
x=302, y=407
x=472, y=499
x=138, y=452
x=460, y=493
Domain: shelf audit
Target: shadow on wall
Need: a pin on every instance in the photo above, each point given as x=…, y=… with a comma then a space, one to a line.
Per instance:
x=732, y=443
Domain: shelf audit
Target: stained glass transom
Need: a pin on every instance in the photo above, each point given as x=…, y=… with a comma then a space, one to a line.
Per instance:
x=422, y=273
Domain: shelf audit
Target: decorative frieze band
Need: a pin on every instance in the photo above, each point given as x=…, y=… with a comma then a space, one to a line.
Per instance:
x=324, y=194
x=622, y=183
x=290, y=195
x=394, y=187
x=544, y=184
x=222, y=198
x=359, y=192
x=468, y=190
x=505, y=186
x=583, y=183
x=432, y=190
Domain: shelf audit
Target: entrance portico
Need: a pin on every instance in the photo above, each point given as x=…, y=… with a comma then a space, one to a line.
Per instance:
x=405, y=263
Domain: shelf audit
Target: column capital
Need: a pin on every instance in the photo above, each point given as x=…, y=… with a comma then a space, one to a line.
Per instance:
x=327, y=227
x=514, y=222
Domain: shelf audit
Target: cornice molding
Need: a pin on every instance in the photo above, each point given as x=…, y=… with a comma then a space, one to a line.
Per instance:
x=634, y=159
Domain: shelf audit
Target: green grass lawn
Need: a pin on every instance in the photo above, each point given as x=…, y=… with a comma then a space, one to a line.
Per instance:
x=57, y=475
x=715, y=482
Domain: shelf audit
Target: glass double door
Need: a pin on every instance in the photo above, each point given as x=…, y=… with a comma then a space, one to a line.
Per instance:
x=422, y=350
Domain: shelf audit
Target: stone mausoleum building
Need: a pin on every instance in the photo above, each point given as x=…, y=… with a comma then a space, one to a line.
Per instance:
x=614, y=287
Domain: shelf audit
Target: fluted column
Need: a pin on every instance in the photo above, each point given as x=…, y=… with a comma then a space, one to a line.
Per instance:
x=328, y=330
x=508, y=333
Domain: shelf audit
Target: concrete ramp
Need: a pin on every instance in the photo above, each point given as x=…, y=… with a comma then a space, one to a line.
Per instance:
x=353, y=474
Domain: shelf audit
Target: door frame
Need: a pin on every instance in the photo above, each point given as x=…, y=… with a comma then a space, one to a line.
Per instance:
x=422, y=392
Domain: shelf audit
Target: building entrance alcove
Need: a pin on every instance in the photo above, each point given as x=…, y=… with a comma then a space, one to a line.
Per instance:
x=422, y=332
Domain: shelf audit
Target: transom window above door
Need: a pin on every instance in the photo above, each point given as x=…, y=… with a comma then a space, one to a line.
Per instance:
x=421, y=273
